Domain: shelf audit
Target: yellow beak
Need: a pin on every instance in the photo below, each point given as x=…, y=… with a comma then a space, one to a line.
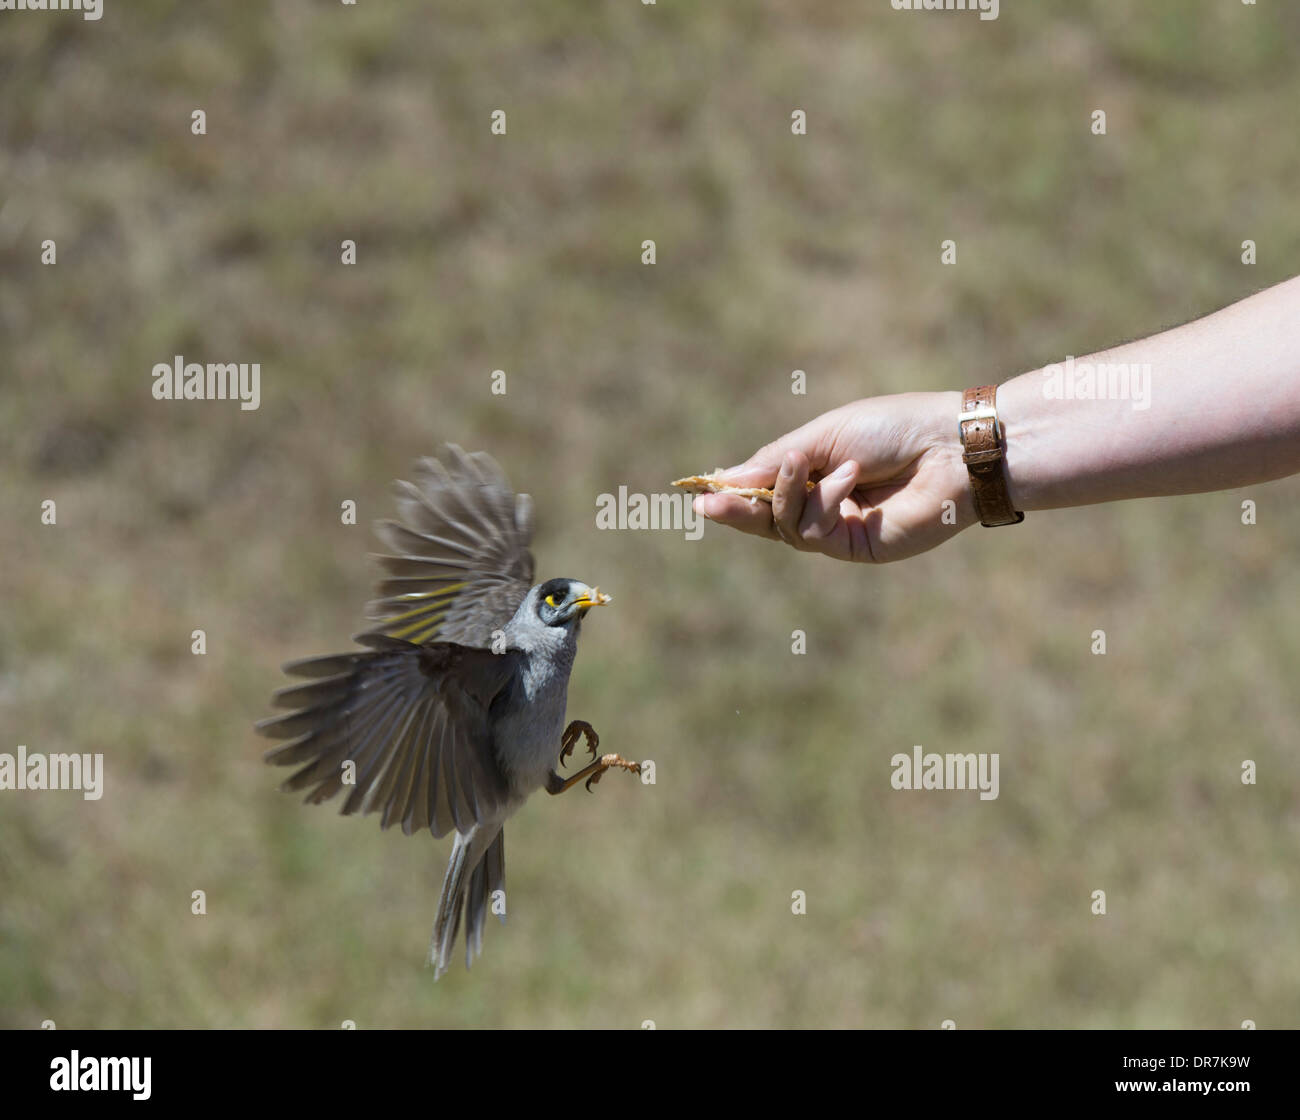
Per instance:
x=592, y=597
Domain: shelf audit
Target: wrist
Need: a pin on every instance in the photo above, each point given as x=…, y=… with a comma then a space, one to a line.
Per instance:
x=982, y=439
x=1028, y=426
x=944, y=437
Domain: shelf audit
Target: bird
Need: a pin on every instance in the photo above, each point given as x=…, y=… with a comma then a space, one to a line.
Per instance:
x=451, y=714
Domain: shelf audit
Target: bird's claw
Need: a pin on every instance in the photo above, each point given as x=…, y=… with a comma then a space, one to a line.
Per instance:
x=570, y=738
x=608, y=761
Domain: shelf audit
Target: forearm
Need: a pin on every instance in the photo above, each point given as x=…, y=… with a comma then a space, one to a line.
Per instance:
x=1210, y=405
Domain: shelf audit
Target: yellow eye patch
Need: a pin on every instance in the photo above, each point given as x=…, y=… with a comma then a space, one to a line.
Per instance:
x=551, y=601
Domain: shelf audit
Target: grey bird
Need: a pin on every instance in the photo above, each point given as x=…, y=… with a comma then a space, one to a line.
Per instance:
x=453, y=712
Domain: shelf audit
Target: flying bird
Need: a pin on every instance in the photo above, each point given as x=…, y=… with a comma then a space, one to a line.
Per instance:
x=452, y=713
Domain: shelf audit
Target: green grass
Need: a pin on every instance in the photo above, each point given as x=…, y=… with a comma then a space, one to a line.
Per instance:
x=775, y=252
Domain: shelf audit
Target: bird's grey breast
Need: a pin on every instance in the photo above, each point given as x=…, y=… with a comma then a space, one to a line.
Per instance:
x=530, y=721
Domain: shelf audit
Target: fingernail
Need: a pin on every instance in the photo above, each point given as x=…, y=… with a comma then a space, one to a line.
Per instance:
x=698, y=505
x=846, y=470
x=787, y=468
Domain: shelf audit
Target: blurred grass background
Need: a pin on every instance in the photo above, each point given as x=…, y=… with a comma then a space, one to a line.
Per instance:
x=775, y=252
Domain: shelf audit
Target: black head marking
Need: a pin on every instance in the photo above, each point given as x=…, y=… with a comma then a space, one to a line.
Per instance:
x=550, y=597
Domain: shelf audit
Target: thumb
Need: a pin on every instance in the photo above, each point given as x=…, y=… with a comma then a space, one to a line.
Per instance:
x=814, y=440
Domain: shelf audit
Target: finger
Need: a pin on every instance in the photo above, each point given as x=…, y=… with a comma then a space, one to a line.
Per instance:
x=790, y=495
x=755, y=472
x=749, y=515
x=812, y=440
x=822, y=509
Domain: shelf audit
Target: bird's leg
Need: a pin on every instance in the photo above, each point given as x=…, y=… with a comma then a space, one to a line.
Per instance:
x=570, y=737
x=592, y=771
x=608, y=762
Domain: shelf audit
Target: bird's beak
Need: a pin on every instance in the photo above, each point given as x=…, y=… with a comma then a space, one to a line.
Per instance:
x=591, y=597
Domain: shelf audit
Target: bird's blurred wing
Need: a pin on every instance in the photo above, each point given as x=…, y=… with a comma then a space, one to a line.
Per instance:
x=461, y=564
x=415, y=722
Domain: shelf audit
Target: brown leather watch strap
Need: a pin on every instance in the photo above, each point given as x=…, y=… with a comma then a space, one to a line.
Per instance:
x=981, y=442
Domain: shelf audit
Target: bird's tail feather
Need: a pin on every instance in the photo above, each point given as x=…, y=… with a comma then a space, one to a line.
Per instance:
x=488, y=878
x=471, y=881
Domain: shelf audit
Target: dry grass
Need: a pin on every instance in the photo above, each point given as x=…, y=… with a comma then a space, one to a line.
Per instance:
x=669, y=902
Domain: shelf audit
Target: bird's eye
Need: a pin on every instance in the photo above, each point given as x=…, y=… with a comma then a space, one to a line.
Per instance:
x=552, y=601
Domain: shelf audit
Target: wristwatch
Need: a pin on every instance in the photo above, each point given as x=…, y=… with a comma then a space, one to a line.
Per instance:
x=981, y=443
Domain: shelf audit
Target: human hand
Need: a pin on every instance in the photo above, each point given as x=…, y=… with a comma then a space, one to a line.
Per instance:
x=887, y=466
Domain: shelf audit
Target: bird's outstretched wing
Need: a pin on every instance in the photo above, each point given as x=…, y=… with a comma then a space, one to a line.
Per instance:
x=461, y=564
x=414, y=721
